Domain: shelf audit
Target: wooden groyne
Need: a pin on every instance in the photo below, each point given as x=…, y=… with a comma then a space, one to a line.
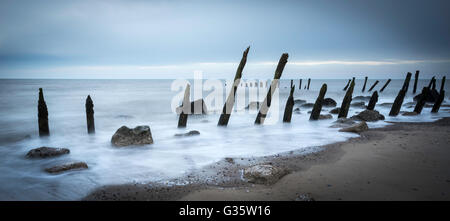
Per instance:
x=90, y=115
x=343, y=111
x=315, y=113
x=228, y=106
x=185, y=109
x=438, y=102
x=373, y=86
x=266, y=103
x=42, y=115
x=309, y=82
x=396, y=106
x=289, y=106
x=373, y=101
x=365, y=82
x=416, y=78
x=348, y=84
x=385, y=85
x=300, y=84
x=422, y=100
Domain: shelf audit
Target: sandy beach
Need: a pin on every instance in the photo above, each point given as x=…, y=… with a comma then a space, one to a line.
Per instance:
x=402, y=161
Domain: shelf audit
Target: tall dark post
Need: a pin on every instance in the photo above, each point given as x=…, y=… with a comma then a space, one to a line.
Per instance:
x=416, y=78
x=373, y=101
x=267, y=101
x=422, y=99
x=90, y=115
x=348, y=84
x=42, y=115
x=292, y=82
x=289, y=106
x=395, y=109
x=375, y=84
x=300, y=84
x=385, y=85
x=438, y=102
x=315, y=113
x=309, y=82
x=185, y=108
x=228, y=106
x=343, y=111
x=364, y=86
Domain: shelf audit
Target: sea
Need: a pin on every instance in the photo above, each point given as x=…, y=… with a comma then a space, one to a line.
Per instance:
x=152, y=102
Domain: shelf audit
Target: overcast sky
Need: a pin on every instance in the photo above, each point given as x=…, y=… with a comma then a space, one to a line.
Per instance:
x=171, y=39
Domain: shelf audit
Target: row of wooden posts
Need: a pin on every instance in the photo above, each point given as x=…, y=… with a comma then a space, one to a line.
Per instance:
x=264, y=107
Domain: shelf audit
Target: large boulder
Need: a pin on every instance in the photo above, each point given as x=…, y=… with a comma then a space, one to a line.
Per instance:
x=125, y=136
x=43, y=152
x=197, y=107
x=190, y=133
x=358, y=128
x=264, y=174
x=66, y=167
x=368, y=115
x=328, y=102
x=343, y=122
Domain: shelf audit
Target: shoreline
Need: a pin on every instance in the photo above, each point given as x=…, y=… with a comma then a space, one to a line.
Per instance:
x=401, y=161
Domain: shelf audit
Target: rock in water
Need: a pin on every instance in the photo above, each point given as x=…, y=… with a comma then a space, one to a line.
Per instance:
x=335, y=110
x=43, y=152
x=125, y=136
x=299, y=101
x=343, y=122
x=412, y=113
x=358, y=104
x=190, y=133
x=362, y=98
x=325, y=116
x=358, y=128
x=264, y=174
x=307, y=105
x=66, y=167
x=368, y=115
x=328, y=102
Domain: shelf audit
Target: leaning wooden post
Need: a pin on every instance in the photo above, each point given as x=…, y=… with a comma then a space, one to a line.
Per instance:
x=375, y=84
x=395, y=109
x=42, y=115
x=309, y=82
x=364, y=86
x=267, y=101
x=300, y=84
x=348, y=84
x=315, y=113
x=289, y=106
x=416, y=78
x=373, y=101
x=292, y=82
x=385, y=85
x=343, y=111
x=438, y=102
x=228, y=106
x=431, y=82
x=90, y=115
x=185, y=108
x=422, y=100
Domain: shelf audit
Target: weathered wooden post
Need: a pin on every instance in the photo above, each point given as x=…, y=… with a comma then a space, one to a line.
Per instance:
x=431, y=82
x=42, y=115
x=373, y=101
x=374, y=84
x=228, y=106
x=395, y=109
x=300, y=84
x=438, y=102
x=416, y=78
x=267, y=101
x=186, y=108
x=422, y=100
x=90, y=115
x=434, y=84
x=292, y=82
x=348, y=84
x=364, y=86
x=289, y=106
x=385, y=85
x=343, y=111
x=309, y=82
x=315, y=113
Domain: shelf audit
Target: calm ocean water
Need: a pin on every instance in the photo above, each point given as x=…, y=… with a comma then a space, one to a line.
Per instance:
x=148, y=102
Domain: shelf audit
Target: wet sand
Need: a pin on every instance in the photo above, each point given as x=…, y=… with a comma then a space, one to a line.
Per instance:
x=403, y=161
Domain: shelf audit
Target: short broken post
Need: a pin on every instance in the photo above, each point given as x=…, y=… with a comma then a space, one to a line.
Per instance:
x=90, y=115
x=422, y=100
x=385, y=85
x=289, y=106
x=416, y=78
x=315, y=113
x=364, y=86
x=267, y=101
x=348, y=84
x=42, y=115
x=343, y=111
x=438, y=102
x=374, y=84
x=228, y=106
x=309, y=82
x=186, y=108
x=373, y=101
x=396, y=106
